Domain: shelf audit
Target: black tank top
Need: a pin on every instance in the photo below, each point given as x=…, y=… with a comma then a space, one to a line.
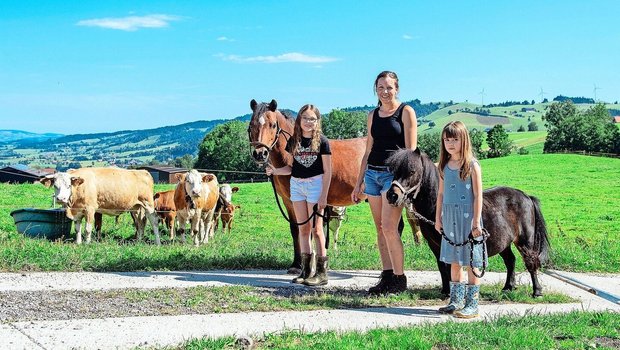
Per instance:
x=387, y=134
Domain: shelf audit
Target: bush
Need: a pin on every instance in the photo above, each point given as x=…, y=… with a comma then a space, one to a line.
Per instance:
x=569, y=129
x=339, y=124
x=430, y=144
x=226, y=147
x=523, y=150
x=499, y=144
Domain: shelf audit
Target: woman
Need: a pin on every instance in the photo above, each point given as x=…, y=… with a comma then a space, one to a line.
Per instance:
x=391, y=126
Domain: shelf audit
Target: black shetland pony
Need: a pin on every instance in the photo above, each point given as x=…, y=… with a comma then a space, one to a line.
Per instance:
x=508, y=214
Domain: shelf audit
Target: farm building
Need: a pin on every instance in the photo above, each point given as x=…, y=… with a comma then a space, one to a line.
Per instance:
x=617, y=119
x=163, y=174
x=22, y=174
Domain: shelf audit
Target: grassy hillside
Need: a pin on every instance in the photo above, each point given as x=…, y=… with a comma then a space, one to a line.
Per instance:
x=511, y=117
x=579, y=197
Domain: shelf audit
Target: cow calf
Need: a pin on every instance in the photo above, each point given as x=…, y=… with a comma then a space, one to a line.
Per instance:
x=227, y=215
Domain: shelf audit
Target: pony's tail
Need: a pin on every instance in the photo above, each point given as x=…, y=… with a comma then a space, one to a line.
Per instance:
x=541, y=240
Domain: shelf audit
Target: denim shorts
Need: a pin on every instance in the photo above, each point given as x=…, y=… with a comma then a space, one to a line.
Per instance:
x=377, y=182
x=308, y=190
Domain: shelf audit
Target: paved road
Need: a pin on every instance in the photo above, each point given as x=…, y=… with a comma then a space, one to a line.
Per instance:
x=129, y=332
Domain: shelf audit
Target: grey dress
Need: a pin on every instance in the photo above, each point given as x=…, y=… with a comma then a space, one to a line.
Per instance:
x=457, y=215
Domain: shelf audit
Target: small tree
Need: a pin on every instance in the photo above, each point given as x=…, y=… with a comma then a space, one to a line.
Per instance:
x=339, y=124
x=430, y=144
x=431, y=124
x=499, y=144
x=187, y=161
x=226, y=147
x=477, y=137
x=521, y=129
x=532, y=126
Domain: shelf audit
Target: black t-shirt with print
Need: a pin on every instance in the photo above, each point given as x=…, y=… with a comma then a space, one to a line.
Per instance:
x=307, y=163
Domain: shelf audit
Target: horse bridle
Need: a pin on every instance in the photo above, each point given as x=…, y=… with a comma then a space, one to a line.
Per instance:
x=415, y=189
x=257, y=144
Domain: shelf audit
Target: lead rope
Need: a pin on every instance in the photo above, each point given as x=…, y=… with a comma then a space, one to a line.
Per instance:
x=315, y=213
x=470, y=240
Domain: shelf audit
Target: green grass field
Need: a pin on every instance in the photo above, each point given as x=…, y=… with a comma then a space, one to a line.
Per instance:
x=579, y=197
x=575, y=330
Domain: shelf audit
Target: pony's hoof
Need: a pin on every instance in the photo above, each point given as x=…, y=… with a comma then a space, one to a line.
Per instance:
x=294, y=270
x=537, y=295
x=508, y=289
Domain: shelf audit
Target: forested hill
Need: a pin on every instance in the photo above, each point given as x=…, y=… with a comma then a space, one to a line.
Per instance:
x=123, y=148
x=131, y=147
x=421, y=109
x=15, y=135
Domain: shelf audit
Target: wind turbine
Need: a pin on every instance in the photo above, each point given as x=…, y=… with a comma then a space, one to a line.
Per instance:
x=595, y=88
x=542, y=94
x=481, y=93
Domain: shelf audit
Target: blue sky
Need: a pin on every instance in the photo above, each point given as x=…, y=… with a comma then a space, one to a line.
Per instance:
x=98, y=66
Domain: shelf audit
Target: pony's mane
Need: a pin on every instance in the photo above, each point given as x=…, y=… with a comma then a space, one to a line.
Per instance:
x=403, y=161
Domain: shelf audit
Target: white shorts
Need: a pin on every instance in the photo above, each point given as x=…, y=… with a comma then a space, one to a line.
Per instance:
x=308, y=190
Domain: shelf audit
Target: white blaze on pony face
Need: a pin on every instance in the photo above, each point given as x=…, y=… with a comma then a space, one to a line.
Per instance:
x=261, y=120
x=193, y=183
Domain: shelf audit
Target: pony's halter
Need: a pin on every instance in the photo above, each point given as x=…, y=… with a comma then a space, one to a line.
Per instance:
x=415, y=189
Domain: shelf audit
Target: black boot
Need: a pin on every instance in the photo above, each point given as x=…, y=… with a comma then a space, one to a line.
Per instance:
x=398, y=285
x=384, y=282
x=306, y=268
x=320, y=278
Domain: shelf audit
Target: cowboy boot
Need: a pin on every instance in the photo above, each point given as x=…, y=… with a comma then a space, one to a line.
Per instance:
x=384, y=282
x=471, y=303
x=398, y=285
x=457, y=298
x=320, y=278
x=306, y=269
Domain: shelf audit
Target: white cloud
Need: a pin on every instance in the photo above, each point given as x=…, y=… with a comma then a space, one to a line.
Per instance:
x=295, y=57
x=407, y=37
x=131, y=23
x=223, y=38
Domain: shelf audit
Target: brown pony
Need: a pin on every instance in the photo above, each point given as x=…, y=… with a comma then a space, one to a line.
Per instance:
x=269, y=131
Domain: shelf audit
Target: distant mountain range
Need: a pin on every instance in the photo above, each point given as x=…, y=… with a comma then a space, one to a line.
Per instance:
x=16, y=135
x=132, y=147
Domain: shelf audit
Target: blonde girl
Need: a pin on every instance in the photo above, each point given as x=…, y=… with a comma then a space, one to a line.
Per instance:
x=311, y=173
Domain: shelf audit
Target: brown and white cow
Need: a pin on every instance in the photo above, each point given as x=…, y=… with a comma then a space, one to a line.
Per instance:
x=166, y=210
x=195, y=198
x=109, y=191
x=227, y=215
x=223, y=200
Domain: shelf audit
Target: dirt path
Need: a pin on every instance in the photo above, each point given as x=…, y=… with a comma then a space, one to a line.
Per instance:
x=62, y=310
